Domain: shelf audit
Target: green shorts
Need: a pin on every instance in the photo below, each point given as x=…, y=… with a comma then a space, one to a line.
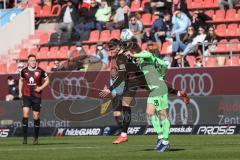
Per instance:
x=160, y=102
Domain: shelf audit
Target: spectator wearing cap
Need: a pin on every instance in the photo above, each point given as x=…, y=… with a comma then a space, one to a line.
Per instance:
x=165, y=31
x=67, y=18
x=180, y=23
x=89, y=21
x=100, y=56
x=199, y=18
x=103, y=15
x=12, y=89
x=136, y=27
x=194, y=45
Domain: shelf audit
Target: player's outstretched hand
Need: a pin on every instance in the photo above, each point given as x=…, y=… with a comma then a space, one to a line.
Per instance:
x=184, y=97
x=104, y=92
x=38, y=89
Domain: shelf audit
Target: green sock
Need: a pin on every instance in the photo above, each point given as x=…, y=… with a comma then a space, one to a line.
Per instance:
x=156, y=124
x=166, y=128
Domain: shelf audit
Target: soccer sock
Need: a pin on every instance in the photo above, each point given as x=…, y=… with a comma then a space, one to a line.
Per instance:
x=166, y=128
x=126, y=118
x=24, y=126
x=119, y=122
x=156, y=124
x=36, y=127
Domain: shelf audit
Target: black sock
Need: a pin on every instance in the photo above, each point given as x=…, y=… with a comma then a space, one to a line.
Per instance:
x=119, y=121
x=36, y=127
x=126, y=118
x=25, y=126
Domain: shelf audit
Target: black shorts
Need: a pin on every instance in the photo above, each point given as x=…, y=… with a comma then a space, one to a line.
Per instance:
x=117, y=103
x=130, y=90
x=32, y=102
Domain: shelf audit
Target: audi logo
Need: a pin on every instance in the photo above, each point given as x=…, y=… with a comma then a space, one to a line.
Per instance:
x=194, y=84
x=180, y=113
x=70, y=88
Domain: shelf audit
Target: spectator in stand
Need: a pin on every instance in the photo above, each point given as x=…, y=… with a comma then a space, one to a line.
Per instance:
x=165, y=31
x=180, y=62
x=185, y=39
x=212, y=40
x=194, y=45
x=57, y=66
x=120, y=19
x=180, y=23
x=88, y=23
x=115, y=4
x=100, y=57
x=229, y=3
x=20, y=66
x=153, y=5
x=67, y=18
x=199, y=18
x=103, y=15
x=157, y=25
x=136, y=27
x=180, y=5
x=76, y=57
x=12, y=89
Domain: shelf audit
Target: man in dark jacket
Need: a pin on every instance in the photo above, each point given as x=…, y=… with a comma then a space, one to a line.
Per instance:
x=68, y=18
x=88, y=22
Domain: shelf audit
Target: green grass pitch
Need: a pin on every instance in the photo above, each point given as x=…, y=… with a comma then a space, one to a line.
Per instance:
x=137, y=148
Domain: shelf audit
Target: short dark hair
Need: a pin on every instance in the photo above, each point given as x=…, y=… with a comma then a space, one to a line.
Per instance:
x=32, y=55
x=10, y=78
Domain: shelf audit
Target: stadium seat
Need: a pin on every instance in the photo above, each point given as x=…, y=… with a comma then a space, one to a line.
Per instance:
x=23, y=54
x=43, y=53
x=92, y=50
x=221, y=30
x=221, y=47
x=3, y=68
x=12, y=68
x=146, y=19
x=231, y=15
x=105, y=36
x=37, y=10
x=219, y=16
x=189, y=4
x=235, y=61
x=56, y=9
x=44, y=38
x=115, y=33
x=232, y=30
x=197, y=4
x=143, y=3
x=135, y=5
x=235, y=46
x=46, y=11
x=86, y=48
x=166, y=48
x=191, y=60
x=211, y=62
x=210, y=13
x=207, y=3
x=63, y=50
x=238, y=15
x=43, y=65
x=33, y=51
x=53, y=53
x=94, y=37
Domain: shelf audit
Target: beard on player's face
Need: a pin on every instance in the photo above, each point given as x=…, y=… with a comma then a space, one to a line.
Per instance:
x=32, y=63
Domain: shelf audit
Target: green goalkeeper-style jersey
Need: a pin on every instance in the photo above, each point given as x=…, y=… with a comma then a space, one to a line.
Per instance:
x=154, y=70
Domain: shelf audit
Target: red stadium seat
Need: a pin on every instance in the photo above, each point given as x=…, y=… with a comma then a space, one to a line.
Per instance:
x=221, y=47
x=235, y=46
x=43, y=53
x=197, y=4
x=92, y=50
x=235, y=61
x=86, y=48
x=189, y=4
x=53, y=53
x=94, y=37
x=210, y=13
x=23, y=54
x=231, y=15
x=37, y=10
x=146, y=19
x=232, y=30
x=33, y=51
x=191, y=60
x=3, y=68
x=56, y=10
x=46, y=11
x=12, y=68
x=219, y=16
x=115, y=34
x=105, y=36
x=135, y=5
x=143, y=3
x=63, y=50
x=238, y=15
x=211, y=62
x=44, y=38
x=221, y=30
x=43, y=65
x=207, y=3
x=166, y=48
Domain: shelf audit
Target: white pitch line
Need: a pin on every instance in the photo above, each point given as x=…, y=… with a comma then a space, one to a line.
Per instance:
x=52, y=148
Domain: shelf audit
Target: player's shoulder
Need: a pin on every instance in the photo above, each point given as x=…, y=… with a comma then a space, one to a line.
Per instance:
x=24, y=69
x=40, y=69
